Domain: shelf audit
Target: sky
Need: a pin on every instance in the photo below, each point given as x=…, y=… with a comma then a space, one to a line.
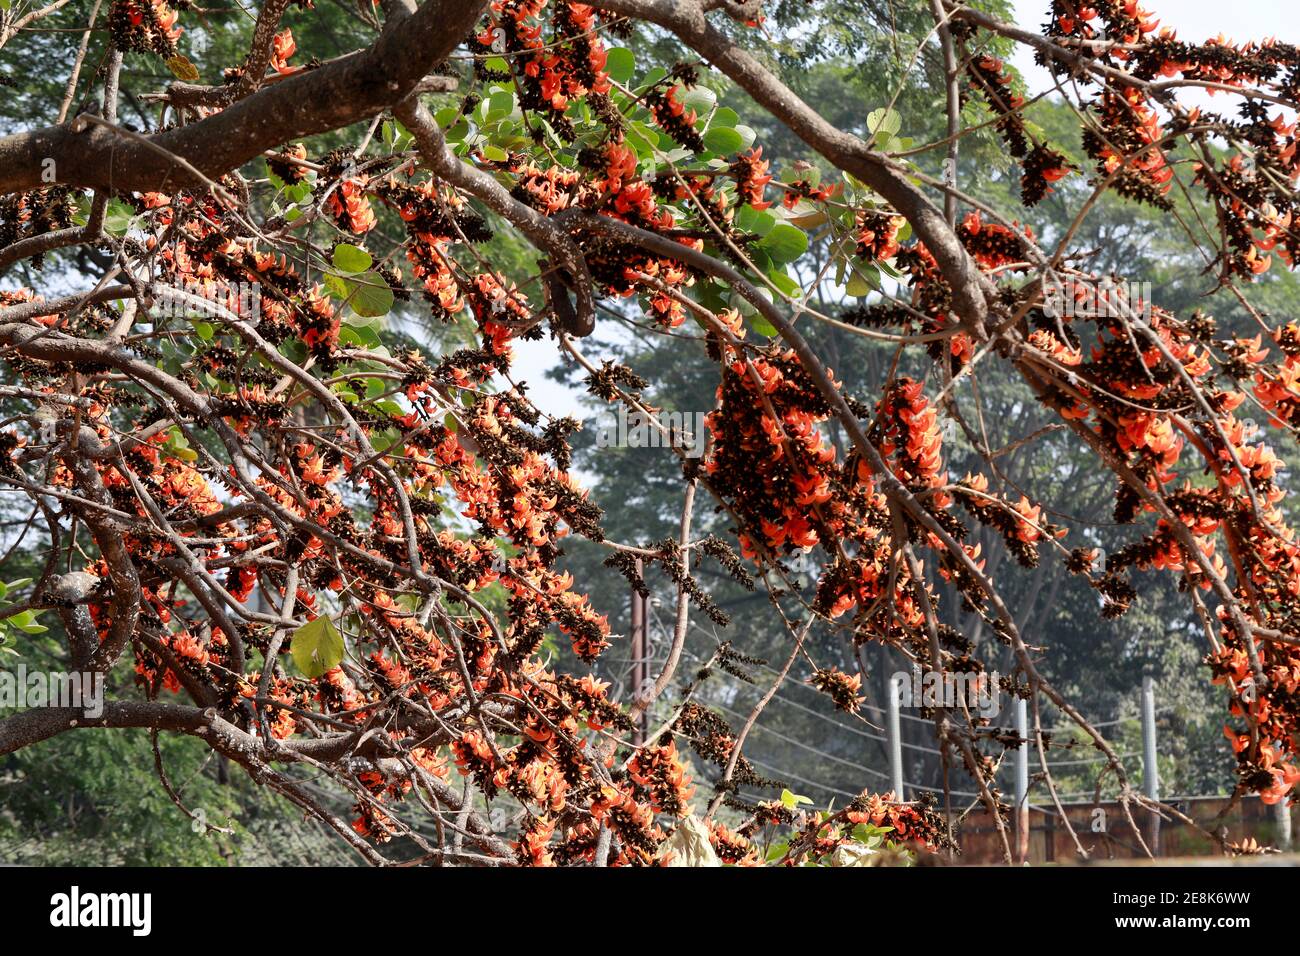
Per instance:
x=1195, y=20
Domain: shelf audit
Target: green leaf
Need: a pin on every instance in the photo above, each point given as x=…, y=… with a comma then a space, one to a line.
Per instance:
x=316, y=647
x=724, y=116
x=784, y=282
x=858, y=285
x=884, y=122
x=26, y=621
x=4, y=588
x=642, y=138
x=81, y=211
x=757, y=221
x=699, y=98
x=363, y=336
x=385, y=439
x=403, y=139
x=294, y=350
x=458, y=132
x=619, y=64
x=372, y=297
x=784, y=243
x=367, y=293
x=723, y=140
x=118, y=216
x=791, y=801
x=500, y=105
x=337, y=286
x=762, y=326
x=350, y=259
x=884, y=266
x=862, y=280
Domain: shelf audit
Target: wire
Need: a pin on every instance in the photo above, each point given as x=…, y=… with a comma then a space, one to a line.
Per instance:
x=1100, y=758
x=955, y=793
x=861, y=733
x=835, y=723
x=810, y=749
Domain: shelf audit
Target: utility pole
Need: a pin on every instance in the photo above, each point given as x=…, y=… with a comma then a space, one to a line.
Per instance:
x=1150, y=775
x=640, y=670
x=895, y=738
x=1022, y=781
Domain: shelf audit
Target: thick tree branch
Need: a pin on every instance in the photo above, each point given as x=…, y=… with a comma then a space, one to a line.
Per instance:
x=314, y=101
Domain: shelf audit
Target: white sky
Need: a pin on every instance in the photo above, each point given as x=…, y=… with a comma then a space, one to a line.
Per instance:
x=1195, y=20
x=532, y=359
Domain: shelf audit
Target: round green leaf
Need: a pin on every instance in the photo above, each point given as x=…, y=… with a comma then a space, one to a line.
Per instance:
x=784, y=243
x=699, y=98
x=619, y=64
x=350, y=259
x=500, y=105
x=757, y=221
x=316, y=647
x=723, y=140
x=368, y=294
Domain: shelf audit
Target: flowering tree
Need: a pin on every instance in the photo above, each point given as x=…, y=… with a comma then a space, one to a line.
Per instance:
x=322, y=554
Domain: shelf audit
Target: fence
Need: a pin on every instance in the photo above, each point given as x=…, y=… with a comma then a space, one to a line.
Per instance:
x=1104, y=831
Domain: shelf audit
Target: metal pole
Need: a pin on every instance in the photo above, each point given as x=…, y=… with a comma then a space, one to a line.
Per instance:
x=895, y=738
x=1022, y=780
x=1150, y=774
x=640, y=666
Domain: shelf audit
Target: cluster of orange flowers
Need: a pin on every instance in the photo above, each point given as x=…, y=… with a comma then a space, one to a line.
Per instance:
x=556, y=73
x=145, y=26
x=349, y=206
